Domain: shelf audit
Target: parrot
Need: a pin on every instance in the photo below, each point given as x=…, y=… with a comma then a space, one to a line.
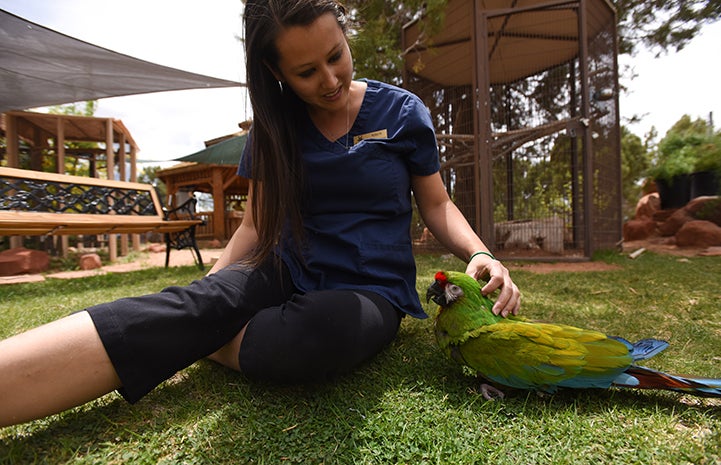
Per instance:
x=543, y=357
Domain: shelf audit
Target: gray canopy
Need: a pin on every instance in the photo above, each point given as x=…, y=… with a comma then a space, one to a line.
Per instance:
x=41, y=67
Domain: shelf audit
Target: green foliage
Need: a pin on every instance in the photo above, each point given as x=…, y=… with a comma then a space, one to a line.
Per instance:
x=689, y=146
x=375, y=32
x=663, y=24
x=149, y=175
x=635, y=162
x=87, y=108
x=410, y=404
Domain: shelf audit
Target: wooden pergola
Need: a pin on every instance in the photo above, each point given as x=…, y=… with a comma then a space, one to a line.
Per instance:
x=220, y=181
x=46, y=137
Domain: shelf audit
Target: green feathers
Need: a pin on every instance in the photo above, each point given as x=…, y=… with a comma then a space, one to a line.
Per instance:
x=524, y=354
x=514, y=351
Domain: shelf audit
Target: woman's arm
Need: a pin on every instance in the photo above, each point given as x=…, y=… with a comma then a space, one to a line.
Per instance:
x=243, y=241
x=450, y=227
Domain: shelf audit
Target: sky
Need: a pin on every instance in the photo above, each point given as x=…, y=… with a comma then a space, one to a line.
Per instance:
x=201, y=37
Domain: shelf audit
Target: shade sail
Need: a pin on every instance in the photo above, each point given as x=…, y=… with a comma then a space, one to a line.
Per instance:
x=41, y=67
x=223, y=153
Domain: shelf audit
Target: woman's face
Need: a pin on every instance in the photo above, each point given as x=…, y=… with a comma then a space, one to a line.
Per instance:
x=315, y=61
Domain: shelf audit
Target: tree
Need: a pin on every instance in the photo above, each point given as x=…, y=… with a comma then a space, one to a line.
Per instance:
x=375, y=29
x=662, y=24
x=689, y=146
x=149, y=175
x=636, y=157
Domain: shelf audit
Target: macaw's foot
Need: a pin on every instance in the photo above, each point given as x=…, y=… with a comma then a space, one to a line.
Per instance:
x=491, y=393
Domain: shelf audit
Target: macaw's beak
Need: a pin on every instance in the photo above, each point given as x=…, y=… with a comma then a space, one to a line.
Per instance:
x=435, y=292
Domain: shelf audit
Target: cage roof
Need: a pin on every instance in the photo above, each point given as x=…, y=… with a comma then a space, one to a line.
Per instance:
x=525, y=37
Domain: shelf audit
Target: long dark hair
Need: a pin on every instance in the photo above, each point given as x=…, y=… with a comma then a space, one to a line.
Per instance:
x=274, y=148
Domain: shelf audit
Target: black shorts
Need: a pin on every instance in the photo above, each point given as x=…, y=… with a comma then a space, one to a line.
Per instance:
x=291, y=337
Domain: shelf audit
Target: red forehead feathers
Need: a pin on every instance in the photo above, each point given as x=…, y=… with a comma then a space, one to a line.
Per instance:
x=441, y=278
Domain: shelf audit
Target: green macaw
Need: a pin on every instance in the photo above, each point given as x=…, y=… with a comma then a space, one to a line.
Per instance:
x=524, y=354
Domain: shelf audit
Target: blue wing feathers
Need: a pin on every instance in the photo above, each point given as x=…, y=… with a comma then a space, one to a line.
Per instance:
x=643, y=349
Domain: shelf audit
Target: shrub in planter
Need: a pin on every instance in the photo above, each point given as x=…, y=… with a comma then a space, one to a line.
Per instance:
x=689, y=147
x=672, y=175
x=706, y=178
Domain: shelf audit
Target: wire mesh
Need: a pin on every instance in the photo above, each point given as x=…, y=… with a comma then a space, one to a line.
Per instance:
x=545, y=123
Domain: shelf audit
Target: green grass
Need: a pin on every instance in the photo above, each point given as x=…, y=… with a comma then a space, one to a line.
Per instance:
x=409, y=405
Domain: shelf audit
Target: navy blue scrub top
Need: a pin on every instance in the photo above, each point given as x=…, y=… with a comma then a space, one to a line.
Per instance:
x=358, y=214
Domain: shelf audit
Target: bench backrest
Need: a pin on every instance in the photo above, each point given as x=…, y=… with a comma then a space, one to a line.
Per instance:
x=25, y=190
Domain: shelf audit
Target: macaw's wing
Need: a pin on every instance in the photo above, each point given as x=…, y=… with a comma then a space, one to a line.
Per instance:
x=541, y=356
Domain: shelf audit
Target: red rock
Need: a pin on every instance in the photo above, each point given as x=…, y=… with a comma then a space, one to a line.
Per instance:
x=674, y=222
x=634, y=230
x=156, y=248
x=90, y=261
x=698, y=233
x=705, y=208
x=23, y=261
x=662, y=215
x=648, y=205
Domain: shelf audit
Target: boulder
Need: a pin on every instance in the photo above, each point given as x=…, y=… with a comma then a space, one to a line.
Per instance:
x=648, y=205
x=638, y=229
x=23, y=261
x=156, y=247
x=674, y=222
x=90, y=261
x=705, y=208
x=698, y=233
x=215, y=244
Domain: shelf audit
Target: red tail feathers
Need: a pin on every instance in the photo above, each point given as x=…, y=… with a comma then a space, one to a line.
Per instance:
x=645, y=378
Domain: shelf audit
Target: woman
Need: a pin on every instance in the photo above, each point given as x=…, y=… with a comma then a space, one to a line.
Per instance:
x=318, y=276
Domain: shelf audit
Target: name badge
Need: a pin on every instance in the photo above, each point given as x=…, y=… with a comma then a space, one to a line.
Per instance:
x=380, y=134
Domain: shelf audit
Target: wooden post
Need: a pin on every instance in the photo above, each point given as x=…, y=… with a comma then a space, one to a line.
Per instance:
x=133, y=164
x=60, y=146
x=123, y=171
x=218, y=206
x=13, y=154
x=134, y=178
x=110, y=166
x=60, y=168
x=13, y=147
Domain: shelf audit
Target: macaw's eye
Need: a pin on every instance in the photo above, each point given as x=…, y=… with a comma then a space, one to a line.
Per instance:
x=454, y=291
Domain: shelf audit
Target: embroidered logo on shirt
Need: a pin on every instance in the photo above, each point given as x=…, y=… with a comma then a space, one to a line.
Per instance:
x=380, y=134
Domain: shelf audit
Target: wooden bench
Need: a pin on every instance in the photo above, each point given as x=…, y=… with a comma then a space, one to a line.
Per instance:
x=34, y=203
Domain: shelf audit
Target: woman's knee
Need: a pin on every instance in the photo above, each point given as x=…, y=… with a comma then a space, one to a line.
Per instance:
x=317, y=335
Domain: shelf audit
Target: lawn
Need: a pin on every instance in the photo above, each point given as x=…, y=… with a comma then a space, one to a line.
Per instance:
x=409, y=405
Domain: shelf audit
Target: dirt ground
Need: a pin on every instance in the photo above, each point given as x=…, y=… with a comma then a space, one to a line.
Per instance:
x=184, y=258
x=141, y=261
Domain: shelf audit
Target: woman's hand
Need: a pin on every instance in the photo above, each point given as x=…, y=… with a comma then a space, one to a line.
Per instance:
x=508, y=301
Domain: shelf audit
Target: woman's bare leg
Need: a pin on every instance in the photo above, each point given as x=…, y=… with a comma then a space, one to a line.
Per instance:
x=52, y=368
x=228, y=354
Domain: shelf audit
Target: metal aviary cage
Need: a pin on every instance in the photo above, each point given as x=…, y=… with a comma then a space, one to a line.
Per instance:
x=524, y=96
